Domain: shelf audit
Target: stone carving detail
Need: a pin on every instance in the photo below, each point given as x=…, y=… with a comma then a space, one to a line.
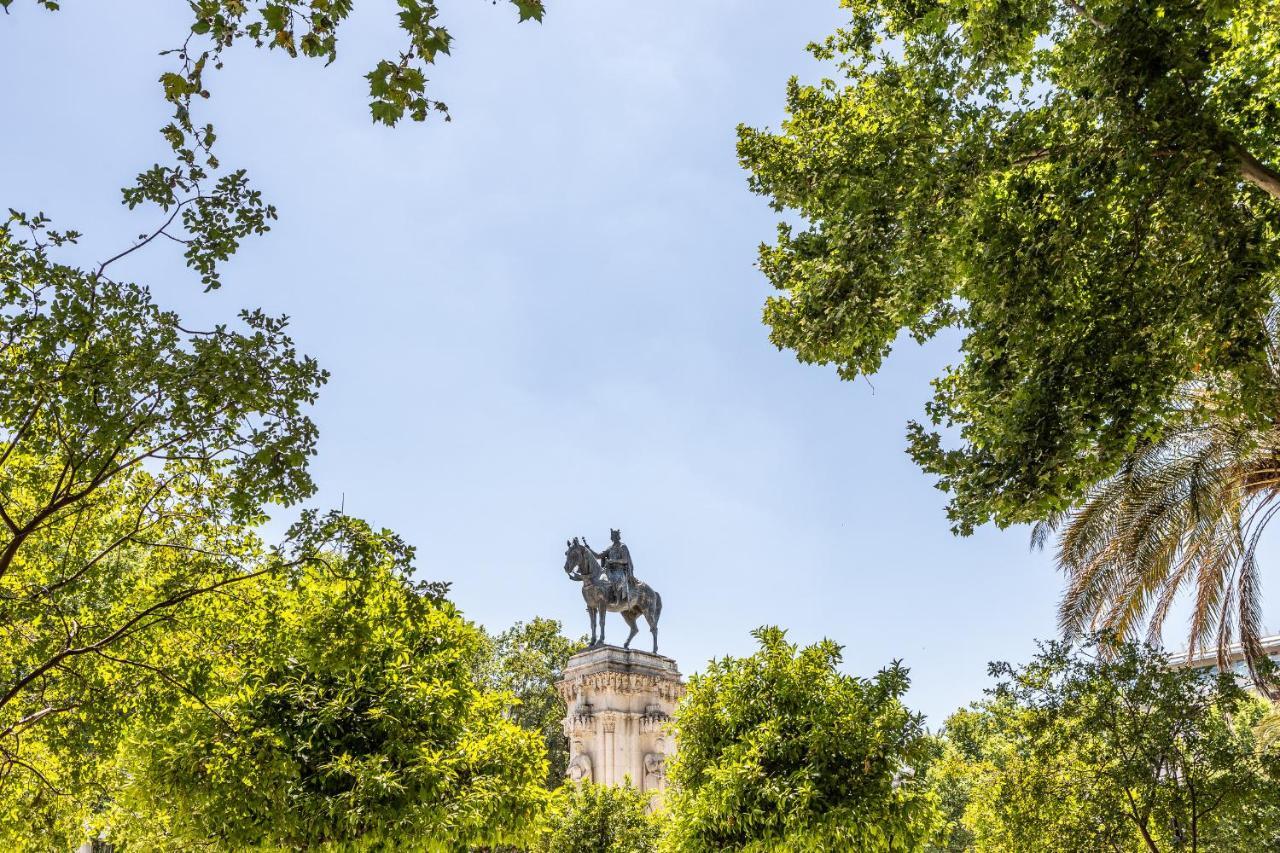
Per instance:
x=580, y=768
x=655, y=770
x=619, y=703
x=623, y=682
x=650, y=723
x=581, y=717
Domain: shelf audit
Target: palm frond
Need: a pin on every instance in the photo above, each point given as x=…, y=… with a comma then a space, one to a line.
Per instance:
x=1182, y=513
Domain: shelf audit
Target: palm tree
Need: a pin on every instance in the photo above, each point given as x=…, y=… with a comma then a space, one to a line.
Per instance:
x=1184, y=512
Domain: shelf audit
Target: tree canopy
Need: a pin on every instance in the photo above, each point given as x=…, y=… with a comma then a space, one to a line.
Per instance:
x=1086, y=192
x=587, y=818
x=136, y=457
x=1082, y=751
x=781, y=751
x=527, y=660
x=139, y=457
x=335, y=707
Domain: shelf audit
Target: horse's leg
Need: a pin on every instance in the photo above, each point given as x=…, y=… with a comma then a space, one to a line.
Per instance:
x=604, y=611
x=591, y=612
x=630, y=617
x=652, y=610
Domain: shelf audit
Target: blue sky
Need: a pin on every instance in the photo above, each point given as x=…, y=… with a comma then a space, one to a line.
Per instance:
x=543, y=319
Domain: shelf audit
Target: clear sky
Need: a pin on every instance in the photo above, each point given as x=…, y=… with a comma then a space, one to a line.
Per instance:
x=543, y=319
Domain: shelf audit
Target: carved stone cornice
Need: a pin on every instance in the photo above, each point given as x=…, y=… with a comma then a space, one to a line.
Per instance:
x=579, y=723
x=619, y=704
x=653, y=722
x=624, y=683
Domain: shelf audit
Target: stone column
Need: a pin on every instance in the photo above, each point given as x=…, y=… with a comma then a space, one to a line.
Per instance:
x=619, y=701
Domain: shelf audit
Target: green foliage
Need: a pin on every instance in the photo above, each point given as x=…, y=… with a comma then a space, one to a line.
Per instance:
x=1185, y=511
x=1108, y=748
x=526, y=661
x=137, y=462
x=136, y=457
x=590, y=818
x=339, y=710
x=1086, y=192
x=781, y=751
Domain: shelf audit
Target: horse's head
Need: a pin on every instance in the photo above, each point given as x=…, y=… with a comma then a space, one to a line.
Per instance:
x=573, y=563
x=579, y=561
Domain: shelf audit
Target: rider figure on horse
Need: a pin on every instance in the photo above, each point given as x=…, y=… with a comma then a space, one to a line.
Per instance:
x=616, y=560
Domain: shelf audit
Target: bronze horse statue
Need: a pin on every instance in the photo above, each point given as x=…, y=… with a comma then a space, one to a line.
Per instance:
x=580, y=564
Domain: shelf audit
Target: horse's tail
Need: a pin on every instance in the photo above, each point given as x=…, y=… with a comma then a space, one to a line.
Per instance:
x=657, y=607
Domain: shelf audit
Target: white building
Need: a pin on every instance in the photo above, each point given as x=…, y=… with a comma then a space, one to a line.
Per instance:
x=1207, y=659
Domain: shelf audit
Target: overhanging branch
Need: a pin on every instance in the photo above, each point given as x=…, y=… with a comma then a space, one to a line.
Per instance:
x=1256, y=172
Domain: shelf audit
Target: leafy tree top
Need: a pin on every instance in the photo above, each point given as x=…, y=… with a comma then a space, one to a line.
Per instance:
x=1104, y=746
x=780, y=750
x=526, y=661
x=589, y=818
x=340, y=711
x=1086, y=191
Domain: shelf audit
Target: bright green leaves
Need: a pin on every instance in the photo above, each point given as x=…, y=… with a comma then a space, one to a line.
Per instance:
x=398, y=88
x=103, y=376
x=1062, y=371
x=213, y=223
x=589, y=818
x=781, y=751
x=417, y=20
x=345, y=711
x=1082, y=751
x=138, y=458
x=1066, y=192
x=526, y=661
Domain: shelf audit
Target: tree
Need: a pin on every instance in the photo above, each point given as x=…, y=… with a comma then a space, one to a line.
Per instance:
x=137, y=456
x=135, y=459
x=1085, y=191
x=340, y=709
x=591, y=818
x=1082, y=751
x=781, y=751
x=1001, y=794
x=526, y=661
x=1186, y=510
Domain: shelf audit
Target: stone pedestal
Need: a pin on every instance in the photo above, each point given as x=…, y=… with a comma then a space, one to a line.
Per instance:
x=619, y=702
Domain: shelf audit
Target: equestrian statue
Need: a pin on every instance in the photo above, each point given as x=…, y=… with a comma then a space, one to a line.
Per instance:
x=609, y=583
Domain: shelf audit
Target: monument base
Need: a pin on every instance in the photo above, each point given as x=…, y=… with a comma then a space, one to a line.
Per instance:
x=619, y=702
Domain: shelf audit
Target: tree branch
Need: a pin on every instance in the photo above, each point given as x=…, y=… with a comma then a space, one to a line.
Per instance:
x=1256, y=172
x=170, y=680
x=1080, y=10
x=124, y=629
x=177, y=208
